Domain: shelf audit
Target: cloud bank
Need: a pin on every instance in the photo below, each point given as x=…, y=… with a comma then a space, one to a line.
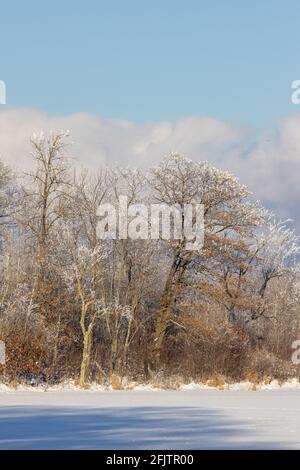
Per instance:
x=268, y=163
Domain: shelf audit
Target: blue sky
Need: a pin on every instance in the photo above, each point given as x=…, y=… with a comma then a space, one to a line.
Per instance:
x=153, y=60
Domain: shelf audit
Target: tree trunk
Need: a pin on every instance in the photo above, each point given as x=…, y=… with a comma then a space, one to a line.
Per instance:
x=86, y=357
x=167, y=298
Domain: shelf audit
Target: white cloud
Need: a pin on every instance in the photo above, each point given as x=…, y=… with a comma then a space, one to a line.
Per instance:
x=268, y=163
x=98, y=140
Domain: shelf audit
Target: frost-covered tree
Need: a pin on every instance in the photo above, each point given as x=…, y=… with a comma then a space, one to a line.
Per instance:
x=229, y=216
x=75, y=306
x=83, y=280
x=277, y=246
x=5, y=179
x=45, y=199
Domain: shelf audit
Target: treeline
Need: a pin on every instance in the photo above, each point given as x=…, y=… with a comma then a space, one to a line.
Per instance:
x=73, y=306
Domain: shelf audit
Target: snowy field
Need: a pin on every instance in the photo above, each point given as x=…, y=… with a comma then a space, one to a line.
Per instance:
x=204, y=419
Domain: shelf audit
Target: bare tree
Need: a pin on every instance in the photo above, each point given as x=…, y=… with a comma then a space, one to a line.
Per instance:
x=44, y=200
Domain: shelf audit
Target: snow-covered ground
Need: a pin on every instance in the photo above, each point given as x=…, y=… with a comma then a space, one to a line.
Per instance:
x=191, y=419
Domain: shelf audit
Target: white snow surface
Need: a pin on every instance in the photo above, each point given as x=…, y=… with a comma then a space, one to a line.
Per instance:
x=194, y=418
